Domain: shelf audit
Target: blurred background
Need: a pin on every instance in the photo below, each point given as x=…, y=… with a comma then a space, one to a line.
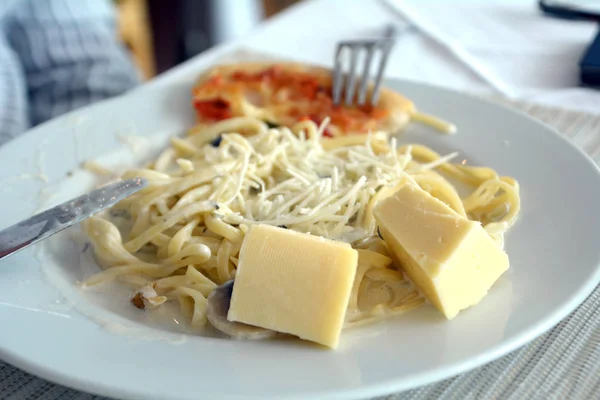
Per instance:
x=163, y=33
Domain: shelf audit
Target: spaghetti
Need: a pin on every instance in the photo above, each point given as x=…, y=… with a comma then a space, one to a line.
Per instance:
x=184, y=231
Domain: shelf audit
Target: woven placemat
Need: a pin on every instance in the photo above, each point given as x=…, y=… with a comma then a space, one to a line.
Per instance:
x=562, y=364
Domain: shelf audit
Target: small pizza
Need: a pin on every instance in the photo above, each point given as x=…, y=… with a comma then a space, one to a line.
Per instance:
x=286, y=93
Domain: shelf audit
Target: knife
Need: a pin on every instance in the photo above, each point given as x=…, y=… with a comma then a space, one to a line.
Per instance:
x=54, y=220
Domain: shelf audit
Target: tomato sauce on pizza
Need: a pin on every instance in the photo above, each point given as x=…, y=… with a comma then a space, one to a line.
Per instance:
x=282, y=94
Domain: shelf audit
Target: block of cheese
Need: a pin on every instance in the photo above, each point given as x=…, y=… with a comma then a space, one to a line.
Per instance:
x=451, y=259
x=293, y=283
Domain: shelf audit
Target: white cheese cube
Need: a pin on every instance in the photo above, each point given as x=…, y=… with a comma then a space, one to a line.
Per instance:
x=451, y=259
x=293, y=283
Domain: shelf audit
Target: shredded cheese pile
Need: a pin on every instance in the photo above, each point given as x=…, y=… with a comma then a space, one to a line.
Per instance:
x=282, y=179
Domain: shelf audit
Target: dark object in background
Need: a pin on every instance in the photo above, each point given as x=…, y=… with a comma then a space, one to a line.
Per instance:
x=569, y=9
x=589, y=66
x=185, y=28
x=180, y=30
x=166, y=32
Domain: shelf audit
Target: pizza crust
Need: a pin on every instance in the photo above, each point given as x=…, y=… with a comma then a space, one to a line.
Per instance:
x=399, y=108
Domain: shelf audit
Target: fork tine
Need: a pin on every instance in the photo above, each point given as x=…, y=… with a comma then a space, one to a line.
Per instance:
x=351, y=86
x=338, y=76
x=387, y=47
x=364, y=80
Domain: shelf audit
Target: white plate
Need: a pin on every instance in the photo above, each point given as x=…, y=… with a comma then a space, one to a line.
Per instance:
x=553, y=252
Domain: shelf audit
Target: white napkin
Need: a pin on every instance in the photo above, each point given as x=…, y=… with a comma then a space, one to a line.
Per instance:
x=510, y=44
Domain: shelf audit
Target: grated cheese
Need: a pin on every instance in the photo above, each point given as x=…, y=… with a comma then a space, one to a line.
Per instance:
x=280, y=177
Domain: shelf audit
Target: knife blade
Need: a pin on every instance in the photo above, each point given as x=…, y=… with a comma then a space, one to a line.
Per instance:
x=54, y=220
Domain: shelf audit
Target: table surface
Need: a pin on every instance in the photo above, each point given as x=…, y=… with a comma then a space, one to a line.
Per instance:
x=565, y=361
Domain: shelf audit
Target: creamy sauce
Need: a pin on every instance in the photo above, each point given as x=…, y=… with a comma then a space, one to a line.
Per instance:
x=137, y=144
x=67, y=259
x=96, y=168
x=22, y=177
x=41, y=158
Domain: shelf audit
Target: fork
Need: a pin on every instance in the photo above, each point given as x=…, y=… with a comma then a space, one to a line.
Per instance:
x=355, y=47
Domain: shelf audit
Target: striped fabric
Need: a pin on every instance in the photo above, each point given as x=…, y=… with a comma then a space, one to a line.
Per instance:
x=56, y=56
